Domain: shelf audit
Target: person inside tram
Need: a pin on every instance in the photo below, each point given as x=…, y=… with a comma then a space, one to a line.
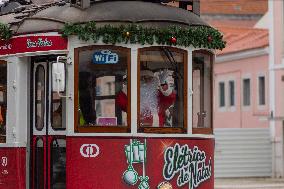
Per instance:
x=157, y=98
x=121, y=97
x=87, y=113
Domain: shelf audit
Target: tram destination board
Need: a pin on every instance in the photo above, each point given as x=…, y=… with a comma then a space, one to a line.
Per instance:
x=35, y=43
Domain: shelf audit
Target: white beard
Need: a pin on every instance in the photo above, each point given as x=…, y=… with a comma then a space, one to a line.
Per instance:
x=148, y=98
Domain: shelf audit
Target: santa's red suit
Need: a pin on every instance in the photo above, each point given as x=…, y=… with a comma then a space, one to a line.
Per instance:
x=122, y=101
x=155, y=113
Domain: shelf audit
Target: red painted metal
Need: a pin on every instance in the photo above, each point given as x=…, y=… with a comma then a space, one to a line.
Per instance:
x=105, y=170
x=13, y=168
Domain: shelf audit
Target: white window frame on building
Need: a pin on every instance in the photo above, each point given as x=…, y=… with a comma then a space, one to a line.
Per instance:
x=246, y=98
x=232, y=93
x=261, y=96
x=232, y=100
x=222, y=93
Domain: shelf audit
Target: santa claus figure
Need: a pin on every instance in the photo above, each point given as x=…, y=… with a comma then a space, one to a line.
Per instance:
x=157, y=98
x=121, y=97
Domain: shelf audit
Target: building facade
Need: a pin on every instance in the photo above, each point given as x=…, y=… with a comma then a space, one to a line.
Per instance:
x=249, y=104
x=276, y=87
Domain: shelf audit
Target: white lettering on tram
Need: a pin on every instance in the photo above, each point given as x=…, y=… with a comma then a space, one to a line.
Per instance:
x=6, y=47
x=191, y=165
x=90, y=150
x=4, y=161
x=40, y=42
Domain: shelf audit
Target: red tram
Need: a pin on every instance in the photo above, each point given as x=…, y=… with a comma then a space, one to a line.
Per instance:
x=107, y=94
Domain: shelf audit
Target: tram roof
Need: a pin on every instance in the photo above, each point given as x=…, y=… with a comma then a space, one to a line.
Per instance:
x=53, y=16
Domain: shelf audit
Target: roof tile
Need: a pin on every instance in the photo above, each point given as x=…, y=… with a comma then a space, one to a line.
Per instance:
x=233, y=6
x=240, y=39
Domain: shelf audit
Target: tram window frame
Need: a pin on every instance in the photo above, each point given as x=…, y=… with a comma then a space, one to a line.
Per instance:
x=164, y=130
x=101, y=129
x=43, y=100
x=204, y=130
x=4, y=105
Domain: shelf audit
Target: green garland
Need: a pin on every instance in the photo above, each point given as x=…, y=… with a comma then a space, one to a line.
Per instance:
x=5, y=32
x=197, y=36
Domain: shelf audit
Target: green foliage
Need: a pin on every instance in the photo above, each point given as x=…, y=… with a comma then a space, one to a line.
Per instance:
x=197, y=36
x=5, y=32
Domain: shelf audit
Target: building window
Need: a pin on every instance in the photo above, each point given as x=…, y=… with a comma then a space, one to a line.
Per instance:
x=102, y=89
x=246, y=92
x=221, y=94
x=202, y=92
x=162, y=90
x=231, y=93
x=261, y=90
x=3, y=100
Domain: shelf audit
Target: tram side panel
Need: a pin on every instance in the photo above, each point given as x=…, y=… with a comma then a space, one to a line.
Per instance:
x=126, y=163
x=13, y=168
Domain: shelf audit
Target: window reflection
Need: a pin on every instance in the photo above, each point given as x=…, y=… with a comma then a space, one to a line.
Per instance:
x=161, y=88
x=39, y=97
x=57, y=112
x=58, y=162
x=202, y=89
x=102, y=78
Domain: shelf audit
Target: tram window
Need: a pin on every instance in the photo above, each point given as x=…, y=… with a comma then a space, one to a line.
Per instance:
x=202, y=92
x=39, y=164
x=57, y=112
x=162, y=90
x=58, y=164
x=39, y=97
x=102, y=85
x=3, y=100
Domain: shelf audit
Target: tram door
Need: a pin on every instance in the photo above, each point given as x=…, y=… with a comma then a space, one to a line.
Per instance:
x=48, y=145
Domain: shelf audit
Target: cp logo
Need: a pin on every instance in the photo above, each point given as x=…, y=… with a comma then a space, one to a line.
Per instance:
x=89, y=150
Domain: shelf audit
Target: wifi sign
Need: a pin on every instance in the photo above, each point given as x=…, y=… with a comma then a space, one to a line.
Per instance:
x=105, y=57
